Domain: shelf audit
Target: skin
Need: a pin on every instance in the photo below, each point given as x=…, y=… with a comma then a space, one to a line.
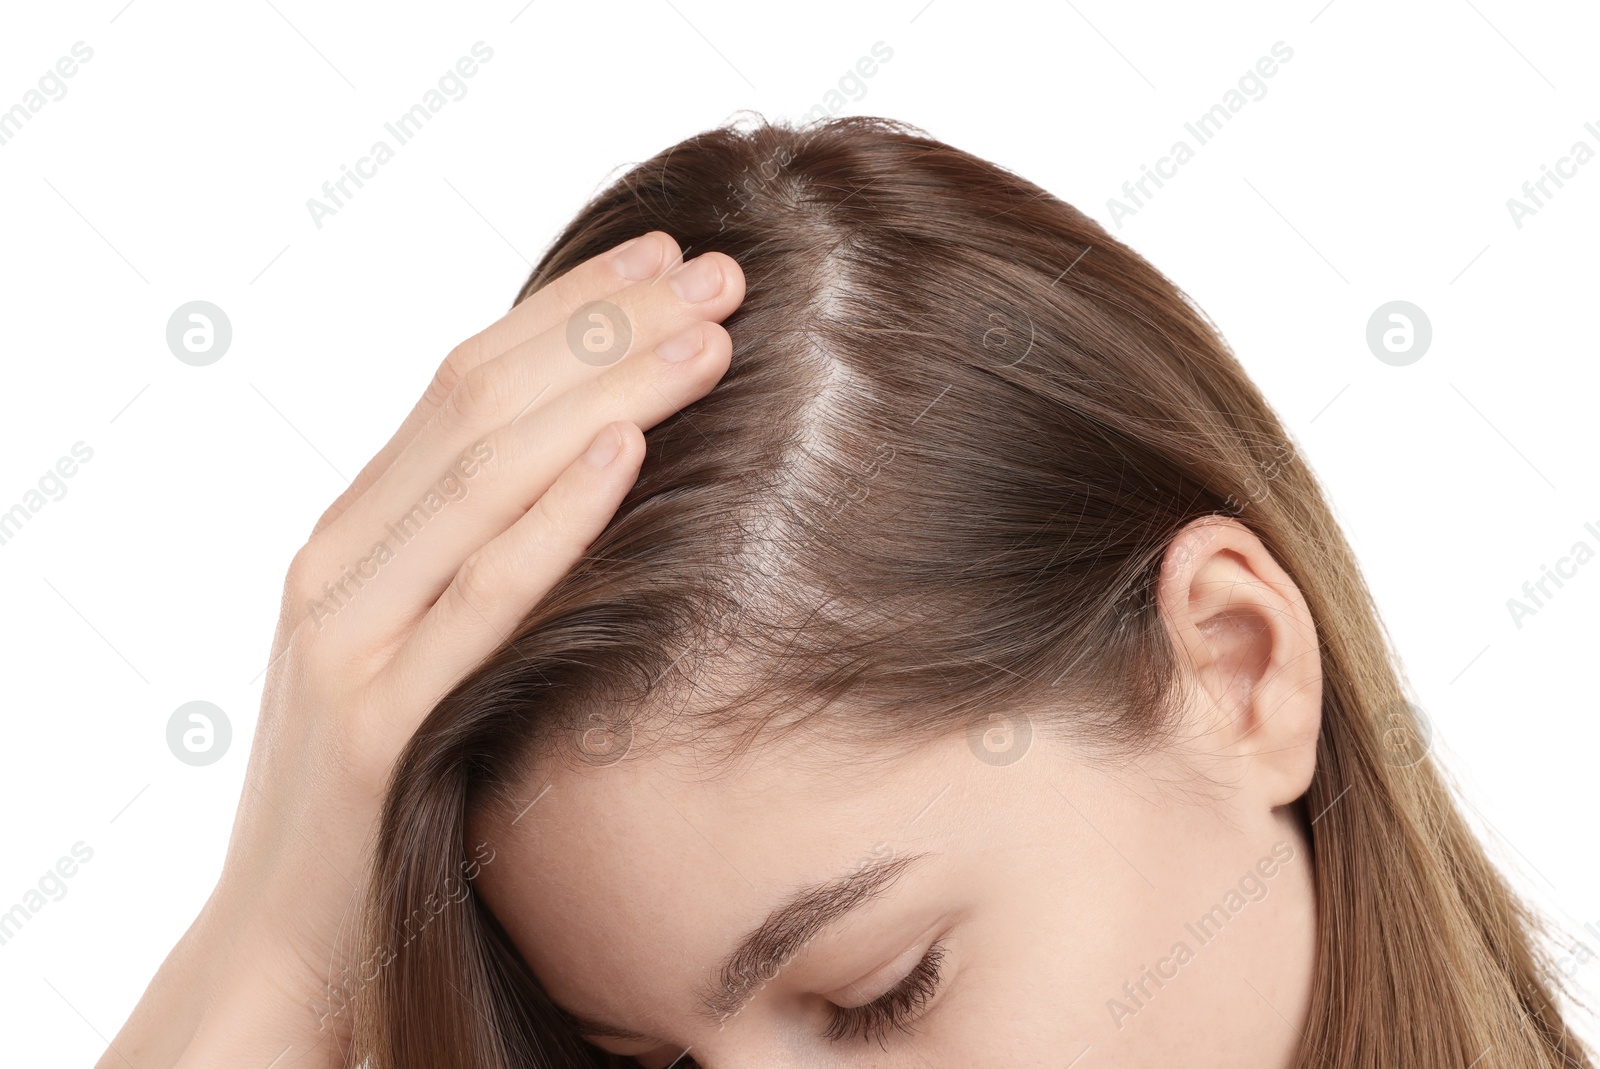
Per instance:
x=345, y=691
x=1049, y=881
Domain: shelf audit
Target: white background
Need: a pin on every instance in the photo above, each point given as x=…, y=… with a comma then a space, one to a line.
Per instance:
x=178, y=164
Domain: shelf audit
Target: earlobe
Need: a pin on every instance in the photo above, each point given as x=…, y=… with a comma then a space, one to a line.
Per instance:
x=1247, y=650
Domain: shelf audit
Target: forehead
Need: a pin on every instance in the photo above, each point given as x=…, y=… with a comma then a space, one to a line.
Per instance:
x=620, y=883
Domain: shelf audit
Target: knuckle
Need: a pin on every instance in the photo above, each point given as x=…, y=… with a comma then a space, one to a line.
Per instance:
x=301, y=565
x=479, y=395
x=307, y=570
x=614, y=390
x=476, y=585
x=455, y=366
x=567, y=290
x=554, y=520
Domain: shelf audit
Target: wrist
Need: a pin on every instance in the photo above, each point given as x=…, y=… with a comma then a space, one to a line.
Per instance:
x=268, y=1000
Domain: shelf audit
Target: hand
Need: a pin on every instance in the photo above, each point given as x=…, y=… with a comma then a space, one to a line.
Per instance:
x=486, y=495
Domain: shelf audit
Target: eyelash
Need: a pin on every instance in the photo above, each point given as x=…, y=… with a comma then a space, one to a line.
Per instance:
x=894, y=1009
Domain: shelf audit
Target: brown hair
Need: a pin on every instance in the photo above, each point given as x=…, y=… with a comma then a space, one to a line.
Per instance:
x=961, y=425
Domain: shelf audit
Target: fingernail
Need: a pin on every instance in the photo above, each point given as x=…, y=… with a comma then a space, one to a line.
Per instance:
x=682, y=346
x=698, y=280
x=638, y=259
x=607, y=444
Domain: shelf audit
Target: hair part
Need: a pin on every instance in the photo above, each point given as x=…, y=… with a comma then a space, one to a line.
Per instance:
x=960, y=427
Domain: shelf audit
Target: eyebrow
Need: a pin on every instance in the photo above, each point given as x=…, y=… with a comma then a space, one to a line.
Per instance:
x=775, y=941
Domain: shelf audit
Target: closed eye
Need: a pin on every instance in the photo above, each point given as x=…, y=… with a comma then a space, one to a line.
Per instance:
x=898, y=1008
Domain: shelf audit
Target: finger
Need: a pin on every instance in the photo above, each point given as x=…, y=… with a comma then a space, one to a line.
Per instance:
x=515, y=389
x=538, y=372
x=496, y=587
x=425, y=541
x=644, y=258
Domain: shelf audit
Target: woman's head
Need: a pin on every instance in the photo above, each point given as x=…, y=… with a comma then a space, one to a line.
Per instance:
x=980, y=650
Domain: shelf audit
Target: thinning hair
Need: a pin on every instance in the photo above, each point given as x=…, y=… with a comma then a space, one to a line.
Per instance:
x=961, y=425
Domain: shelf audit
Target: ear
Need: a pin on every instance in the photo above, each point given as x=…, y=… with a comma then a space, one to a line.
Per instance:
x=1247, y=648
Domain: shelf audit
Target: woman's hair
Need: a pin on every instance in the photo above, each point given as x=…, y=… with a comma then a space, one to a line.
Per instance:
x=961, y=425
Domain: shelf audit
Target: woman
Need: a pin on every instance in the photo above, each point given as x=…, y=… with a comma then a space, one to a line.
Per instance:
x=969, y=674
